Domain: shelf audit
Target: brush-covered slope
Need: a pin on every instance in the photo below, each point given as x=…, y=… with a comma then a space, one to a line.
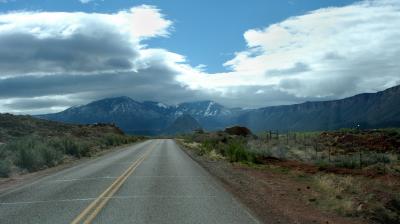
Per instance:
x=182, y=125
x=17, y=126
x=368, y=110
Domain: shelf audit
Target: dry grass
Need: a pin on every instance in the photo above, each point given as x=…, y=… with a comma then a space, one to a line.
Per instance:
x=335, y=192
x=332, y=171
x=211, y=154
x=355, y=196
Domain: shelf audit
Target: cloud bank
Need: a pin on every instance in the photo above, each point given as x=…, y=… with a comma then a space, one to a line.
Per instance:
x=327, y=53
x=50, y=61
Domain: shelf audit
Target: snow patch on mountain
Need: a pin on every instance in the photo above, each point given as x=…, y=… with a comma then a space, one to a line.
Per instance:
x=162, y=105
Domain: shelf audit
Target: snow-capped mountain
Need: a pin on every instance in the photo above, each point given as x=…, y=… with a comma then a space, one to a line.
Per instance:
x=369, y=110
x=201, y=109
x=159, y=107
x=146, y=117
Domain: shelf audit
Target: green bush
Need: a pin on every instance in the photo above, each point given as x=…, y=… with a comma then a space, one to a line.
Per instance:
x=114, y=140
x=375, y=158
x=347, y=161
x=51, y=156
x=236, y=152
x=71, y=147
x=5, y=168
x=206, y=147
x=30, y=159
x=33, y=153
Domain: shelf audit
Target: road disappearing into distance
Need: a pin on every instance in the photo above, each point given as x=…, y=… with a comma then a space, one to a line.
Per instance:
x=149, y=182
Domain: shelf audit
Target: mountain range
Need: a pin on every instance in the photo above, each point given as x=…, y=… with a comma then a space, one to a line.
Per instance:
x=368, y=110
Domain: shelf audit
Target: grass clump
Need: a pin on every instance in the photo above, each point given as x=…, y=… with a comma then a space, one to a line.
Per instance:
x=236, y=152
x=5, y=164
x=5, y=168
x=33, y=154
x=358, y=197
x=206, y=147
x=335, y=192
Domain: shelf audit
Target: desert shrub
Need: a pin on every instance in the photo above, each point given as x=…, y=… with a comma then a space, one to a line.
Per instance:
x=206, y=147
x=347, y=161
x=28, y=158
x=5, y=168
x=51, y=156
x=32, y=153
x=335, y=189
x=374, y=158
x=70, y=147
x=282, y=152
x=236, y=152
x=84, y=149
x=115, y=140
x=322, y=163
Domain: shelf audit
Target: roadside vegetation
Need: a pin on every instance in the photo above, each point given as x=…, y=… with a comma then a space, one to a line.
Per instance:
x=28, y=144
x=355, y=173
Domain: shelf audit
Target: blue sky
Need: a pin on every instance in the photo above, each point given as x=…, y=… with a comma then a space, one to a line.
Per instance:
x=207, y=32
x=57, y=54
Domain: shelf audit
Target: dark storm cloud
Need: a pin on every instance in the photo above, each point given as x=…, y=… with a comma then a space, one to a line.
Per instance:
x=49, y=61
x=154, y=83
x=34, y=103
x=25, y=53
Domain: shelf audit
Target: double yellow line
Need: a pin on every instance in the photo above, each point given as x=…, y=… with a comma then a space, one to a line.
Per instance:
x=90, y=212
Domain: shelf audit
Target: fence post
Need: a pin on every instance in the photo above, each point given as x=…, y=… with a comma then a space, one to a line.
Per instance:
x=329, y=154
x=287, y=138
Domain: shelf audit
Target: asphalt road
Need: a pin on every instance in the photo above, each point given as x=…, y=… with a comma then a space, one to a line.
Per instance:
x=150, y=182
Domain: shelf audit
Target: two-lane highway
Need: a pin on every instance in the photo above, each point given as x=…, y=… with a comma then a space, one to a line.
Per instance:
x=150, y=182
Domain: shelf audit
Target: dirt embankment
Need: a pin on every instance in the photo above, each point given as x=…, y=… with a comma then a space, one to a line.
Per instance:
x=272, y=196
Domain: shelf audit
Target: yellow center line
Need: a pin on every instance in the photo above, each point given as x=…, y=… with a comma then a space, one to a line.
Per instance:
x=97, y=205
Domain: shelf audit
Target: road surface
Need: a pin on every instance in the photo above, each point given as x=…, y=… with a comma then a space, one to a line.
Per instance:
x=150, y=182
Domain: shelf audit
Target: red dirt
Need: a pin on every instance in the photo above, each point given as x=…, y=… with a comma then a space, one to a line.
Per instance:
x=312, y=169
x=273, y=197
x=372, y=140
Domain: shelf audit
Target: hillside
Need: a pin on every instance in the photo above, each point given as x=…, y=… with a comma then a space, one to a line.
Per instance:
x=369, y=110
x=13, y=127
x=146, y=118
x=182, y=125
x=131, y=116
x=30, y=144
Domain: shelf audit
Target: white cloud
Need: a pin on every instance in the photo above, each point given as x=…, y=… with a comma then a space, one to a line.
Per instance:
x=73, y=58
x=328, y=53
x=147, y=21
x=46, y=56
x=56, y=42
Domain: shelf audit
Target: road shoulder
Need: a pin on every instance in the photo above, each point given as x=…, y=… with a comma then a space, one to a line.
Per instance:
x=272, y=197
